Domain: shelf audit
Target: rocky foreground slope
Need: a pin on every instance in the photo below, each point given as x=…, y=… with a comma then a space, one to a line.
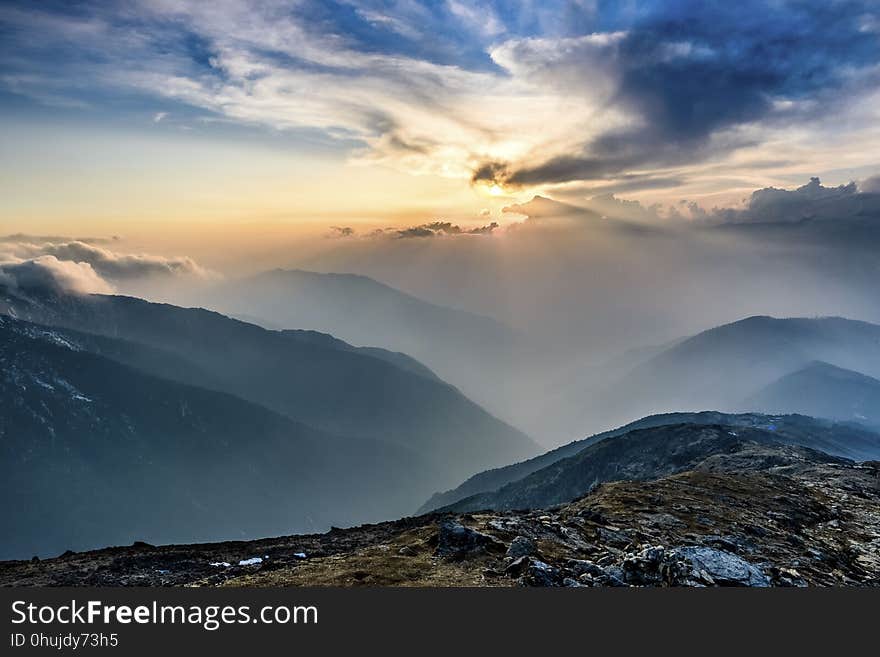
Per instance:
x=752, y=514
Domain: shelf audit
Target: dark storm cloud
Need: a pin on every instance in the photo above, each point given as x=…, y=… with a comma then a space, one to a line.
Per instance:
x=490, y=172
x=692, y=70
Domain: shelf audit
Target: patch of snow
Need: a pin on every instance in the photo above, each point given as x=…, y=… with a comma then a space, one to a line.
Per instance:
x=79, y=397
x=40, y=382
x=220, y=564
x=53, y=337
x=253, y=561
x=299, y=555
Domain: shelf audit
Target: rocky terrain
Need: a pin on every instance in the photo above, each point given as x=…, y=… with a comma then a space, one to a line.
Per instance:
x=752, y=514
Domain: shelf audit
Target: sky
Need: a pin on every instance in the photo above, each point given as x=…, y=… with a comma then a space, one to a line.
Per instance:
x=159, y=117
x=597, y=176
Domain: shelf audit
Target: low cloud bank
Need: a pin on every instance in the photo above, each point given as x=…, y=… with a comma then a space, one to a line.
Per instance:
x=85, y=265
x=49, y=272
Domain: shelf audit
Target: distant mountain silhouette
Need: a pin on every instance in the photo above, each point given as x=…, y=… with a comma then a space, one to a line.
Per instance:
x=721, y=367
x=824, y=390
x=314, y=379
x=93, y=452
x=838, y=439
x=460, y=346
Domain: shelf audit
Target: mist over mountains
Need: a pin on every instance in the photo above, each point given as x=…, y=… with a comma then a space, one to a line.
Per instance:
x=337, y=399
x=97, y=453
x=460, y=346
x=312, y=430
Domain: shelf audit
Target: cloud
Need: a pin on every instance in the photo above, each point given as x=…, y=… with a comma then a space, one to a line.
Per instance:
x=42, y=239
x=437, y=228
x=810, y=202
x=50, y=272
x=870, y=185
x=341, y=231
x=523, y=95
x=695, y=82
x=104, y=262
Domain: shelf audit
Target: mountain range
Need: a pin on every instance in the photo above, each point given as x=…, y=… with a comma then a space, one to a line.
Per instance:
x=95, y=452
x=214, y=427
x=362, y=433
x=460, y=346
x=721, y=369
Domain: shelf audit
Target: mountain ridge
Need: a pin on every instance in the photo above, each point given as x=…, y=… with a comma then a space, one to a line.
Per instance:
x=96, y=452
x=835, y=438
x=342, y=391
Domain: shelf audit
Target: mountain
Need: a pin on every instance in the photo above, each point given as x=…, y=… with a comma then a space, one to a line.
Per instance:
x=750, y=514
x=317, y=380
x=659, y=451
x=721, y=367
x=93, y=452
x=460, y=346
x=845, y=440
x=825, y=390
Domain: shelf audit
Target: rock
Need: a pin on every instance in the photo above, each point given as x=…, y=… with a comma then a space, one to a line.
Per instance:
x=518, y=566
x=542, y=574
x=643, y=568
x=614, y=538
x=787, y=577
x=571, y=583
x=612, y=576
x=407, y=551
x=522, y=546
x=723, y=542
x=580, y=567
x=456, y=541
x=591, y=515
x=696, y=566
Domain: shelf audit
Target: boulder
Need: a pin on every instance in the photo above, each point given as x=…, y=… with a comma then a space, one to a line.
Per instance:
x=705, y=566
x=455, y=541
x=522, y=546
x=643, y=568
x=581, y=567
x=518, y=566
x=539, y=573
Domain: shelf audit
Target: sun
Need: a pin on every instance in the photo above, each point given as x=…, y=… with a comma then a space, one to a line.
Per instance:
x=495, y=190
